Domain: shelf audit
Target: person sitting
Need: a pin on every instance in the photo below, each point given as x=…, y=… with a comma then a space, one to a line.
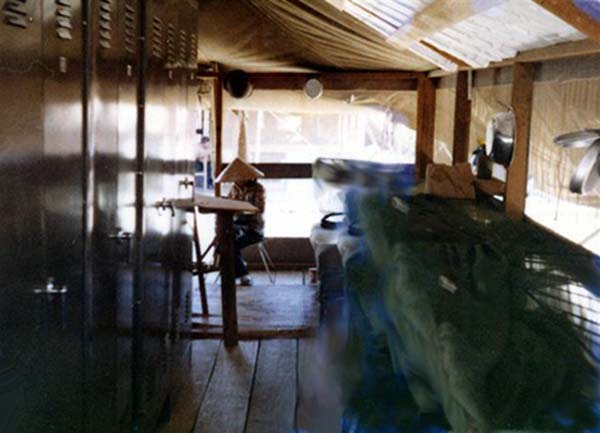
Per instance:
x=203, y=165
x=248, y=228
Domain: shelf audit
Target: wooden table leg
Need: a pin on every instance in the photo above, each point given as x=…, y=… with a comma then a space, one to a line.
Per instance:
x=228, y=293
x=199, y=264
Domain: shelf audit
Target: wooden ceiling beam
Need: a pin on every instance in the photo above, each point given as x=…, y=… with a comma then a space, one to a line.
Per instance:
x=563, y=50
x=559, y=51
x=400, y=80
x=567, y=11
x=459, y=62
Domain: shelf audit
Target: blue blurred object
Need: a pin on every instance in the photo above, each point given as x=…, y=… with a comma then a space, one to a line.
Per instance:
x=590, y=7
x=397, y=178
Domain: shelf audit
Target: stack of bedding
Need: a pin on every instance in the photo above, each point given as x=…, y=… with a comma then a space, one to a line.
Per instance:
x=449, y=289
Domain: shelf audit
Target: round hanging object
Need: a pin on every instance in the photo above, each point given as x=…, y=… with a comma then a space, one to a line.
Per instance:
x=500, y=138
x=313, y=88
x=587, y=174
x=238, y=84
x=578, y=139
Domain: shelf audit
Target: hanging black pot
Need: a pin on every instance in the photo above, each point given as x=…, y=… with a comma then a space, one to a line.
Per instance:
x=238, y=84
x=500, y=140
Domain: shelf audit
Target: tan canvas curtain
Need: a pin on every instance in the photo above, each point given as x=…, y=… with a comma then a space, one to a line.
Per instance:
x=290, y=34
x=444, y=125
x=374, y=121
x=485, y=102
x=242, y=143
x=558, y=108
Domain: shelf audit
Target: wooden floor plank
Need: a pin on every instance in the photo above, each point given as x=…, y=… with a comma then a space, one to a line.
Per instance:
x=189, y=396
x=264, y=311
x=319, y=408
x=225, y=404
x=273, y=400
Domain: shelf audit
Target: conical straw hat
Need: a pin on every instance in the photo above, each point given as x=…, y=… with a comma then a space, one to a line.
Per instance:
x=239, y=170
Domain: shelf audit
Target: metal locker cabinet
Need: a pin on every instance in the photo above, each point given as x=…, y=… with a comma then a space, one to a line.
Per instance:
x=103, y=55
x=172, y=97
x=184, y=148
x=41, y=315
x=112, y=126
x=22, y=254
x=126, y=205
x=155, y=294
x=64, y=166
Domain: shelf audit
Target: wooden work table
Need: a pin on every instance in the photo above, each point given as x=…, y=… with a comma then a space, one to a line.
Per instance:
x=224, y=209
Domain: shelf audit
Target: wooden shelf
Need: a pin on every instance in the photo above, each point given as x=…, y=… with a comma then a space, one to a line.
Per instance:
x=490, y=186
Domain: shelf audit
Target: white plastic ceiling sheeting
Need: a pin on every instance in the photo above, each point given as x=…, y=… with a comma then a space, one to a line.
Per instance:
x=385, y=16
x=487, y=31
x=501, y=32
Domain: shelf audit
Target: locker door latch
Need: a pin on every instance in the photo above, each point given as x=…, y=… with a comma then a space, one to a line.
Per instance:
x=186, y=183
x=120, y=237
x=165, y=204
x=51, y=288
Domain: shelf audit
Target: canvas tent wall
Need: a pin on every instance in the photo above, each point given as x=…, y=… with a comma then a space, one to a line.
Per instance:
x=564, y=100
x=343, y=35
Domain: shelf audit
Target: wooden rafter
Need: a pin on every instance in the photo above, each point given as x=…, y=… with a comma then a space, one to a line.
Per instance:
x=563, y=50
x=460, y=63
x=567, y=11
x=392, y=80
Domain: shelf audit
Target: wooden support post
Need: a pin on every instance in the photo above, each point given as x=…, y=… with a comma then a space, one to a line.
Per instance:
x=462, y=119
x=522, y=98
x=228, y=293
x=425, y=124
x=218, y=114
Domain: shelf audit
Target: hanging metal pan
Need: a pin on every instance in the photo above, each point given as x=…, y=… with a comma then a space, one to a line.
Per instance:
x=578, y=139
x=587, y=174
x=500, y=140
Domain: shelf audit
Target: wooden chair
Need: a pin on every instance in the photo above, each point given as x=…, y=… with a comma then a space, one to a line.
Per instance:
x=267, y=262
